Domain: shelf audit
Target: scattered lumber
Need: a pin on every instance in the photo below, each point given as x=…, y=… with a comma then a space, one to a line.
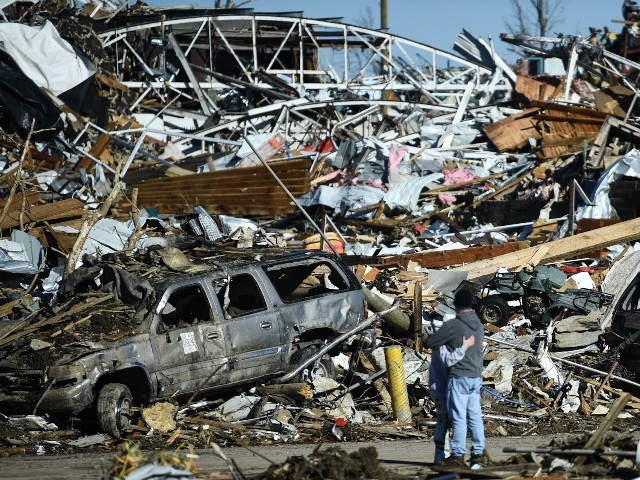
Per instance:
x=562, y=249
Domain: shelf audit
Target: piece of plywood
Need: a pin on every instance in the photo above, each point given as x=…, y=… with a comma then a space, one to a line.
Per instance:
x=559, y=128
x=533, y=89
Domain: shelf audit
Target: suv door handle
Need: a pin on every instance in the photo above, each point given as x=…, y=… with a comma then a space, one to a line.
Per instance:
x=265, y=325
x=212, y=335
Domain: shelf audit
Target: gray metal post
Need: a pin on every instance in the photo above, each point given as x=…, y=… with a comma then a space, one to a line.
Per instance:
x=293, y=199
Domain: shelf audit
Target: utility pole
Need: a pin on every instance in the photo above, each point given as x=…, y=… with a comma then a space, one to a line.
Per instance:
x=383, y=27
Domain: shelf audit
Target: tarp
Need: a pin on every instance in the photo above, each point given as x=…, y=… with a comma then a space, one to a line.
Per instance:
x=406, y=195
x=44, y=56
x=22, y=103
x=628, y=166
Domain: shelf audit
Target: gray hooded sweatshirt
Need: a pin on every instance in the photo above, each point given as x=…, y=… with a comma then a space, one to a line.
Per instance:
x=464, y=325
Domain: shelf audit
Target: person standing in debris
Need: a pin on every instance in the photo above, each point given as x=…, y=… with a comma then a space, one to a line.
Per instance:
x=441, y=360
x=465, y=379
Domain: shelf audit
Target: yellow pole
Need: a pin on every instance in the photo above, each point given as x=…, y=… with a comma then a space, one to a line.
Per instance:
x=397, y=384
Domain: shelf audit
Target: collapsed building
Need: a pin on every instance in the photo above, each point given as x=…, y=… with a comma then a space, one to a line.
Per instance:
x=422, y=169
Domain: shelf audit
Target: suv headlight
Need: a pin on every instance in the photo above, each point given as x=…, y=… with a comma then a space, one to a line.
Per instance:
x=66, y=374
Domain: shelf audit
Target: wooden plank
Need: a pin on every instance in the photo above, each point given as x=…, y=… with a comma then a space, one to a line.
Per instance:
x=64, y=248
x=60, y=317
x=547, y=120
x=237, y=176
x=537, y=256
x=585, y=111
x=68, y=208
x=7, y=308
x=534, y=89
x=96, y=150
x=244, y=188
x=226, y=208
x=512, y=133
x=245, y=195
x=564, y=248
x=32, y=197
x=555, y=141
x=110, y=81
x=588, y=224
x=574, y=120
x=432, y=259
x=186, y=205
x=597, y=439
x=447, y=258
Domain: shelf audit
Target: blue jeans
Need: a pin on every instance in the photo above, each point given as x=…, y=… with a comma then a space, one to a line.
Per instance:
x=440, y=433
x=464, y=409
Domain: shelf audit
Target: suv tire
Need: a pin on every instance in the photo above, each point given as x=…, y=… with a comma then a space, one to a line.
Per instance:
x=113, y=409
x=323, y=366
x=493, y=309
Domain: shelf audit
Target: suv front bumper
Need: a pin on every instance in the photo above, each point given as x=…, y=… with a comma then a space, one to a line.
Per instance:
x=67, y=399
x=62, y=400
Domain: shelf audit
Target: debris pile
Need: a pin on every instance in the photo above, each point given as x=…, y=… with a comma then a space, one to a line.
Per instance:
x=181, y=141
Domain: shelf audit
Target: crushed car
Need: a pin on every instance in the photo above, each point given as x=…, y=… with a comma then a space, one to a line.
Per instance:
x=226, y=319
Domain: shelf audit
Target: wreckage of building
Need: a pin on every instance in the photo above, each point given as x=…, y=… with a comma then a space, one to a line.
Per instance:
x=151, y=145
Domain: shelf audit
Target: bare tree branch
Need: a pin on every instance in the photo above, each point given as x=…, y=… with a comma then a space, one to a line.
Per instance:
x=535, y=17
x=230, y=3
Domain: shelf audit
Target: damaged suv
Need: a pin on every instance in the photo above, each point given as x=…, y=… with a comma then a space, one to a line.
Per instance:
x=227, y=319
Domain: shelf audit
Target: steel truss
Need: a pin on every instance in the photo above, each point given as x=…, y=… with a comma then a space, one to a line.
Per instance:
x=191, y=60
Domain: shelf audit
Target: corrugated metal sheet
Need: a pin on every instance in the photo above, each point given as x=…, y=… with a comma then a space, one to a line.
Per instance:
x=241, y=191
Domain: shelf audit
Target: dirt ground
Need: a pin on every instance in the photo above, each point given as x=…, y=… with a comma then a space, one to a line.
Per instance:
x=13, y=440
x=385, y=459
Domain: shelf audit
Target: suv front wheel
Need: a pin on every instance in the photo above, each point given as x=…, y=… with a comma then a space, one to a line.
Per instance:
x=114, y=409
x=323, y=367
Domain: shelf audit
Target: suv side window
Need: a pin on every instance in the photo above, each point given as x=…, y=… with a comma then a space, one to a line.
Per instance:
x=296, y=282
x=240, y=296
x=186, y=306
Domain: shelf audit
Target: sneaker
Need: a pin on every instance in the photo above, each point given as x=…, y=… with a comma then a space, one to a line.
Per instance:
x=454, y=461
x=478, y=459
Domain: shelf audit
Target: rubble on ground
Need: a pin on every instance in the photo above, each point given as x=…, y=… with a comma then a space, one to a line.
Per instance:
x=200, y=129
